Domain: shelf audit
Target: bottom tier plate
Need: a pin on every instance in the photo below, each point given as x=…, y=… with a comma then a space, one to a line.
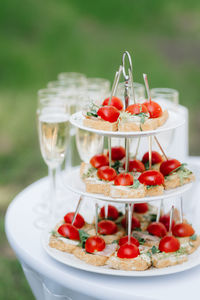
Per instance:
x=71, y=180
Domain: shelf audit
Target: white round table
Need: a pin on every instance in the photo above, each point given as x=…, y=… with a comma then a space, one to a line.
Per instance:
x=51, y=280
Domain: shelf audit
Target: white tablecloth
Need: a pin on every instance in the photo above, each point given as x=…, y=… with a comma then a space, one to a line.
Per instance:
x=47, y=276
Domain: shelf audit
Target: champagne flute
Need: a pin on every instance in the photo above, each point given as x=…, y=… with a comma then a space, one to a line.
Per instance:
x=53, y=130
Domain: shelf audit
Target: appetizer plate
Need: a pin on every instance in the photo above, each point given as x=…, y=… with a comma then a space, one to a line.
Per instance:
x=71, y=180
x=70, y=260
x=175, y=120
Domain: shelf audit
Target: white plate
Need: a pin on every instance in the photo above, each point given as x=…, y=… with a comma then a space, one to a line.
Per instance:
x=175, y=120
x=72, y=261
x=71, y=180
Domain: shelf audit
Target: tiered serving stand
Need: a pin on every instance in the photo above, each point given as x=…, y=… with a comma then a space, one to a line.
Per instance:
x=72, y=181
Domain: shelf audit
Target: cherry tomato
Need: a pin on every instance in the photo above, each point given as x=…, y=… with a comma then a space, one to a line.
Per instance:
x=78, y=222
x=135, y=165
x=128, y=251
x=151, y=177
x=124, y=179
x=165, y=219
x=154, y=109
x=169, y=244
x=108, y=113
x=156, y=158
x=69, y=231
x=117, y=153
x=99, y=160
x=133, y=241
x=106, y=173
x=94, y=243
x=140, y=208
x=135, y=223
x=116, y=102
x=169, y=165
x=136, y=109
x=157, y=228
x=107, y=227
x=112, y=212
x=183, y=230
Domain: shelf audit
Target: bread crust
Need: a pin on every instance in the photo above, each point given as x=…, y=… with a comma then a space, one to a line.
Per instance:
x=189, y=244
x=155, y=190
x=100, y=124
x=97, y=188
x=95, y=260
x=173, y=181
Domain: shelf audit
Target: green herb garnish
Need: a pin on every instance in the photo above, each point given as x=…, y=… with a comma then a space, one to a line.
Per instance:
x=89, y=173
x=193, y=237
x=83, y=237
x=143, y=117
x=155, y=250
x=135, y=185
x=116, y=166
x=55, y=233
x=150, y=186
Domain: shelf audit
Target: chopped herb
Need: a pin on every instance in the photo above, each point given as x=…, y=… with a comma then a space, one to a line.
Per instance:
x=55, y=233
x=115, y=242
x=137, y=229
x=91, y=114
x=83, y=237
x=193, y=237
x=146, y=165
x=135, y=185
x=116, y=165
x=152, y=217
x=154, y=250
x=89, y=173
x=150, y=186
x=141, y=241
x=181, y=251
x=181, y=167
x=143, y=117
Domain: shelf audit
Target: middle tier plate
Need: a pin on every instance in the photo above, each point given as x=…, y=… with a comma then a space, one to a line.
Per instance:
x=175, y=120
x=71, y=180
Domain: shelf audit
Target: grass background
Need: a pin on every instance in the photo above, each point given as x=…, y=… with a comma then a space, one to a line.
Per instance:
x=40, y=39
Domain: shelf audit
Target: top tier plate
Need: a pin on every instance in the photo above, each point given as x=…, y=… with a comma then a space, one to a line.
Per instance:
x=175, y=120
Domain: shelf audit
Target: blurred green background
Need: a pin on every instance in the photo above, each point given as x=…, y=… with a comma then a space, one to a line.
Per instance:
x=39, y=39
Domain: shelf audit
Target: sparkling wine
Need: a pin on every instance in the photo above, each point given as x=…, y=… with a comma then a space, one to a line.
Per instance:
x=54, y=137
x=88, y=144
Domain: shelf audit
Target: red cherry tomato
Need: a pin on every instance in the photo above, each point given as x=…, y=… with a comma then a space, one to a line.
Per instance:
x=124, y=240
x=94, y=243
x=124, y=179
x=69, y=231
x=112, y=212
x=128, y=251
x=99, y=160
x=165, y=219
x=135, y=165
x=108, y=113
x=140, y=208
x=79, y=220
x=116, y=102
x=151, y=177
x=169, y=244
x=106, y=173
x=107, y=227
x=117, y=153
x=156, y=158
x=183, y=230
x=136, y=109
x=157, y=228
x=154, y=109
x=135, y=223
x=169, y=165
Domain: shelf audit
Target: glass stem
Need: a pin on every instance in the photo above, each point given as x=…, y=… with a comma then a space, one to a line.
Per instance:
x=52, y=177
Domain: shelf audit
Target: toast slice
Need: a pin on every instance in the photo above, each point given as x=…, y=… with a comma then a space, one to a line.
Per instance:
x=135, y=123
x=178, y=178
x=97, y=258
x=146, y=239
x=190, y=243
x=140, y=263
x=87, y=171
x=99, y=124
x=63, y=244
x=119, y=191
x=163, y=260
